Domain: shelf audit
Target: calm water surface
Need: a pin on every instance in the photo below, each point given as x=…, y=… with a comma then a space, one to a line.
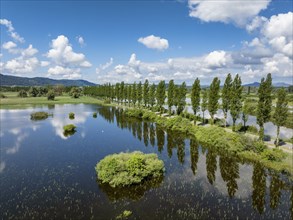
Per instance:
x=46, y=175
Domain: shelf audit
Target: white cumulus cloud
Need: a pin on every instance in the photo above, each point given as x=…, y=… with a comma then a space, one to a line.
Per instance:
x=154, y=42
x=62, y=53
x=227, y=11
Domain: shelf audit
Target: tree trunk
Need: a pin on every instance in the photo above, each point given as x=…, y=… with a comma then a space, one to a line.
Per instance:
x=261, y=133
x=203, y=118
x=225, y=117
x=233, y=128
x=278, y=134
x=212, y=117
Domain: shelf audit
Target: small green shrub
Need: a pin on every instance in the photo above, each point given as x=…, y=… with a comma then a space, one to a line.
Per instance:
x=71, y=115
x=22, y=94
x=51, y=95
x=69, y=129
x=107, y=101
x=95, y=115
x=252, y=129
x=2, y=96
x=273, y=154
x=125, y=214
x=39, y=116
x=259, y=147
x=126, y=169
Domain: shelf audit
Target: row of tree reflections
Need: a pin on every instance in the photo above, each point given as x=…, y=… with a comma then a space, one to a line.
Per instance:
x=229, y=166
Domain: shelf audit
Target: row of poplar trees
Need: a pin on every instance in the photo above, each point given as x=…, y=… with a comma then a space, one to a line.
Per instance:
x=147, y=95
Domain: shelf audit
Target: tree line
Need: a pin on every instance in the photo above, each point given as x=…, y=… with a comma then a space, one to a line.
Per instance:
x=232, y=99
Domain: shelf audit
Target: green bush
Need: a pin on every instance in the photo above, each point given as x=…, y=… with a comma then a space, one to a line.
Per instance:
x=69, y=129
x=75, y=92
x=71, y=115
x=39, y=115
x=107, y=101
x=259, y=147
x=51, y=95
x=2, y=96
x=126, y=169
x=22, y=94
x=252, y=129
x=273, y=154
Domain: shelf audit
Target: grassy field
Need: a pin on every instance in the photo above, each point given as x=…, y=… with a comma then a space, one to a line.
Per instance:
x=12, y=101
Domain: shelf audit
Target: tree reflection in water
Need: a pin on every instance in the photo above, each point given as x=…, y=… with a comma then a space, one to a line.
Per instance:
x=211, y=165
x=194, y=156
x=229, y=168
x=160, y=138
x=134, y=192
x=259, y=188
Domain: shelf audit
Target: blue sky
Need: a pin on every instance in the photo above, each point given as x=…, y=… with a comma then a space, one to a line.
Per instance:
x=110, y=41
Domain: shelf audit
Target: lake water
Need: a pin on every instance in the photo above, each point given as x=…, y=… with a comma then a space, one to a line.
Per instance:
x=46, y=175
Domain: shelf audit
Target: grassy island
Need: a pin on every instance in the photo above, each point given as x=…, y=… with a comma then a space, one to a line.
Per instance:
x=126, y=169
x=39, y=116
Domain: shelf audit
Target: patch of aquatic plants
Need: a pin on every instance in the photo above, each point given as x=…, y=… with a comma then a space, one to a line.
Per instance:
x=126, y=169
x=69, y=129
x=71, y=115
x=95, y=115
x=39, y=116
x=124, y=215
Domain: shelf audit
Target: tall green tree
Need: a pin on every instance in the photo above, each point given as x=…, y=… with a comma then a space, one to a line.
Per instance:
x=146, y=90
x=171, y=87
x=152, y=95
x=182, y=98
x=204, y=103
x=176, y=96
x=122, y=91
x=226, y=96
x=236, y=99
x=117, y=92
x=281, y=112
x=129, y=88
x=214, y=98
x=161, y=94
x=134, y=94
x=195, y=97
x=245, y=112
x=264, y=104
x=139, y=93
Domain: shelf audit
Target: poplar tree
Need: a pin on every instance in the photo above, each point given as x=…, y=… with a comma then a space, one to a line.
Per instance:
x=170, y=95
x=146, y=93
x=160, y=94
x=134, y=94
x=176, y=96
x=264, y=105
x=195, y=97
x=182, y=98
x=281, y=112
x=236, y=99
x=117, y=92
x=226, y=96
x=139, y=93
x=245, y=112
x=129, y=88
x=204, y=103
x=152, y=95
x=122, y=92
x=213, y=98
